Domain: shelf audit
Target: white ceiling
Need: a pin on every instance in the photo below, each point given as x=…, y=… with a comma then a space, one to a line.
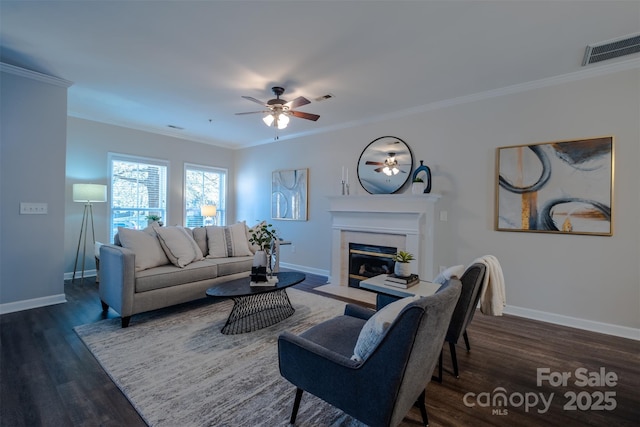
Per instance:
x=150, y=64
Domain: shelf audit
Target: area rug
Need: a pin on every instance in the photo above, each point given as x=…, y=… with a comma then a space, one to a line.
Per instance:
x=177, y=369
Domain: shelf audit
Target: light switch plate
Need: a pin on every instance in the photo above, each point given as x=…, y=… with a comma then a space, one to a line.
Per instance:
x=33, y=208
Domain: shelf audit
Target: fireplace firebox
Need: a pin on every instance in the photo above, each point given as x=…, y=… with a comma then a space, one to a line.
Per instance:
x=367, y=261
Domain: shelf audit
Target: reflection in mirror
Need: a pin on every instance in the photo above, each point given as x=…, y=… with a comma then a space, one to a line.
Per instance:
x=385, y=165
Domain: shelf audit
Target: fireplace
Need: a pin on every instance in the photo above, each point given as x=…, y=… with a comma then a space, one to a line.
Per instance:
x=367, y=261
x=401, y=222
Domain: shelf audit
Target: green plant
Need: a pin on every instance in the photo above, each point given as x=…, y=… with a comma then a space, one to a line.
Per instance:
x=403, y=256
x=417, y=179
x=263, y=236
x=153, y=218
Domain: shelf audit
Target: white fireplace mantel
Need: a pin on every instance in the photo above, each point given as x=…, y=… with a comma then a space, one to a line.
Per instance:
x=406, y=220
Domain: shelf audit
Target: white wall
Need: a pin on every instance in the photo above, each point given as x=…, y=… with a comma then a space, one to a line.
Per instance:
x=592, y=280
x=88, y=145
x=32, y=155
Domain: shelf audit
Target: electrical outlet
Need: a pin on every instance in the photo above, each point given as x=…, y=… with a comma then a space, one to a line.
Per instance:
x=443, y=215
x=33, y=208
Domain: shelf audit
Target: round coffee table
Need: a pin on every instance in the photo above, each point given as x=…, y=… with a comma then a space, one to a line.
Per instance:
x=256, y=307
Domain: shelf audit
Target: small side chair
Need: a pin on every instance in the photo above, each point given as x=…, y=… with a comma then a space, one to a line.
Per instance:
x=472, y=280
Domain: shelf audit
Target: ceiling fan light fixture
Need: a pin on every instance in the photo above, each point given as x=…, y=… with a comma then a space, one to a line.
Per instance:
x=282, y=120
x=268, y=119
x=386, y=170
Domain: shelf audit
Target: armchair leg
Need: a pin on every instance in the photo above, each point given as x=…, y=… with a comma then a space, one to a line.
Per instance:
x=296, y=406
x=105, y=306
x=439, y=377
x=466, y=340
x=423, y=407
x=454, y=359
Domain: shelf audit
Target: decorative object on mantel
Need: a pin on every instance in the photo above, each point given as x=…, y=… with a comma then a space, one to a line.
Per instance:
x=384, y=165
x=402, y=267
x=289, y=189
x=563, y=187
x=417, y=186
x=427, y=177
x=345, y=183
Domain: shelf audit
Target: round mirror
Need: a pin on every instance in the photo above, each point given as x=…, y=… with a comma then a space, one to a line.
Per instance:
x=385, y=165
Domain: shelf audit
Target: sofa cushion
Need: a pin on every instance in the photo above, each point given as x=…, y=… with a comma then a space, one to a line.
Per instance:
x=376, y=327
x=170, y=275
x=145, y=244
x=233, y=265
x=229, y=241
x=178, y=245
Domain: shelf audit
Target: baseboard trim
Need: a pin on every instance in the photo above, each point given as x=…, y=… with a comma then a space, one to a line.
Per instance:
x=305, y=269
x=574, y=322
x=12, y=307
x=87, y=273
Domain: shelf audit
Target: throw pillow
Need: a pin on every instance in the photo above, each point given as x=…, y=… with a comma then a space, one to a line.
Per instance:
x=200, y=236
x=227, y=241
x=178, y=245
x=145, y=244
x=376, y=327
x=455, y=271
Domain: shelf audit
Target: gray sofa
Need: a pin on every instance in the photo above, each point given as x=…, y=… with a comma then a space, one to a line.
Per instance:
x=131, y=288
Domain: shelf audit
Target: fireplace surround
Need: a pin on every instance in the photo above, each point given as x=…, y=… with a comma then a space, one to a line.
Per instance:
x=405, y=222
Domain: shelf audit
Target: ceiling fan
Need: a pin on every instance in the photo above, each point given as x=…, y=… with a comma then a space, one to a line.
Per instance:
x=389, y=166
x=278, y=110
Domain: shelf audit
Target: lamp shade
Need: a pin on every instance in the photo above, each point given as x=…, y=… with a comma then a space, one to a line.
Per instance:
x=89, y=193
x=208, y=210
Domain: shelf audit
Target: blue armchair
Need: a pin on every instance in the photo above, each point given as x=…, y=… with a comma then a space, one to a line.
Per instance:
x=380, y=389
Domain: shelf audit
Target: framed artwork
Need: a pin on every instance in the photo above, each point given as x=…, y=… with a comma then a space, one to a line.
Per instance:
x=561, y=187
x=289, y=190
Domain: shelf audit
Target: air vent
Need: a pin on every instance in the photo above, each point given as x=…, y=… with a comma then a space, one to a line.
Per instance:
x=611, y=49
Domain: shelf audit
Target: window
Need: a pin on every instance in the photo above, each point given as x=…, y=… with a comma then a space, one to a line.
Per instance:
x=204, y=186
x=138, y=189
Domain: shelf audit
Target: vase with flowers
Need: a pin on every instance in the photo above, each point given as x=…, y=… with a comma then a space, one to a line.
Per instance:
x=264, y=237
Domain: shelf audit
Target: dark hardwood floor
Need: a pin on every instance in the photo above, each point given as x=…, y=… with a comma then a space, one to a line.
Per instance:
x=49, y=378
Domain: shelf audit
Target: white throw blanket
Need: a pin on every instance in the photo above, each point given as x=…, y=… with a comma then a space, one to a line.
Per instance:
x=492, y=298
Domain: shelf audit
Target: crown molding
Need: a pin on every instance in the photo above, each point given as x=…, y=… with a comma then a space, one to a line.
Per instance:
x=587, y=73
x=33, y=75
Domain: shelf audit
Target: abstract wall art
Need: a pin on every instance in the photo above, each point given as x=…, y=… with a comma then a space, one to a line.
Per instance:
x=289, y=194
x=561, y=187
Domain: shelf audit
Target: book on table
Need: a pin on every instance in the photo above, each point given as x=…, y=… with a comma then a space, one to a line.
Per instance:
x=402, y=282
x=402, y=279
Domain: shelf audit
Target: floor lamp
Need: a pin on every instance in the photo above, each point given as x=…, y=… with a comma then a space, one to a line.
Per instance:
x=87, y=194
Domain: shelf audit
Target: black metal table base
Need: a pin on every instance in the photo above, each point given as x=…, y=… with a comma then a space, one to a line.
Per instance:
x=257, y=311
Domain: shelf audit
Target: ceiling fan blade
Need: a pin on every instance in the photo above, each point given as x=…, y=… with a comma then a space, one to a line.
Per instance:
x=299, y=101
x=369, y=162
x=251, y=112
x=302, y=115
x=378, y=170
x=257, y=101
